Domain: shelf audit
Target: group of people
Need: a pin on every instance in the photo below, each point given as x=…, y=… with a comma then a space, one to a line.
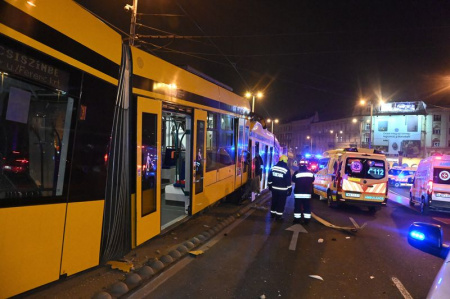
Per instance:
x=279, y=182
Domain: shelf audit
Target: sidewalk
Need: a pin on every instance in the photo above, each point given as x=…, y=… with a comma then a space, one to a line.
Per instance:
x=150, y=258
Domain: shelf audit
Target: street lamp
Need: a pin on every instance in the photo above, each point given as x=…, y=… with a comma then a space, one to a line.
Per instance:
x=363, y=102
x=354, y=120
x=252, y=95
x=272, y=121
x=309, y=137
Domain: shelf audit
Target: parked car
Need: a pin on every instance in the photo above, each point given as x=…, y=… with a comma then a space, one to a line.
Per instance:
x=431, y=184
x=405, y=178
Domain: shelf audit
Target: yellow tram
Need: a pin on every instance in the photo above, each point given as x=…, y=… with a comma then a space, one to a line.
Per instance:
x=103, y=146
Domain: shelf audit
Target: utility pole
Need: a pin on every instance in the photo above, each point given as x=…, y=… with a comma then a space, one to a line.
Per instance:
x=133, y=22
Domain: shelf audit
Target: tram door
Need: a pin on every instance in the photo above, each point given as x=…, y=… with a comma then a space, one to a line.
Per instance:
x=265, y=167
x=199, y=200
x=239, y=142
x=147, y=208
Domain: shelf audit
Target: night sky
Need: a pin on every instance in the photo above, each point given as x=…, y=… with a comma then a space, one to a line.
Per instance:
x=306, y=56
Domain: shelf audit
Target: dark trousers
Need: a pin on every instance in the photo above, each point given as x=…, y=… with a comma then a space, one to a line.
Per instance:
x=278, y=202
x=302, y=203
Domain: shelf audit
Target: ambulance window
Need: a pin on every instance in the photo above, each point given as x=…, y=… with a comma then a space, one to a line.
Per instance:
x=365, y=168
x=441, y=176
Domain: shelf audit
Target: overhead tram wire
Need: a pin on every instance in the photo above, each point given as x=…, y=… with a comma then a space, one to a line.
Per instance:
x=211, y=41
x=246, y=36
x=168, y=35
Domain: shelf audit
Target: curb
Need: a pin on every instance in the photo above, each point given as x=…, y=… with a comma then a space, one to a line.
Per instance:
x=155, y=266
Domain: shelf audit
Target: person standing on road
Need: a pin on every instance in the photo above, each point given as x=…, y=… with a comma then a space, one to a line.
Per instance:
x=279, y=182
x=303, y=179
x=259, y=165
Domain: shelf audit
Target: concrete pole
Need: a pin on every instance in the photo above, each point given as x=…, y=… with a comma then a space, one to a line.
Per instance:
x=133, y=23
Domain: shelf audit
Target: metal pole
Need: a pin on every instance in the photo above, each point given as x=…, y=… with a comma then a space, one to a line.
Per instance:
x=311, y=145
x=133, y=22
x=253, y=103
x=360, y=132
x=370, y=132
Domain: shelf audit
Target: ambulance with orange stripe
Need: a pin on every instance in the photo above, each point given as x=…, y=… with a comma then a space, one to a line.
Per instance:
x=354, y=176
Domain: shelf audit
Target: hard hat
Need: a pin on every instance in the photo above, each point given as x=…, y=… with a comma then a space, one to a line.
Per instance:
x=284, y=158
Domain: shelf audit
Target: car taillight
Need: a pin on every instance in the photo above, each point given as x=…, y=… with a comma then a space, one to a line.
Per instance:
x=339, y=184
x=430, y=187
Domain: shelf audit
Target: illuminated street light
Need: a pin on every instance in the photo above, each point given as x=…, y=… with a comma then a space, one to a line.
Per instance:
x=309, y=137
x=354, y=120
x=249, y=95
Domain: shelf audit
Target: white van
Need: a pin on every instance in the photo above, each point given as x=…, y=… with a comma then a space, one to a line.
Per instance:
x=431, y=185
x=353, y=176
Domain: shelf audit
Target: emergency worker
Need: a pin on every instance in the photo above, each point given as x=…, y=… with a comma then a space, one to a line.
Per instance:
x=279, y=182
x=303, y=179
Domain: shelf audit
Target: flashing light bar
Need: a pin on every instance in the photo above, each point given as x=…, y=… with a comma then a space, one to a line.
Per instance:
x=417, y=235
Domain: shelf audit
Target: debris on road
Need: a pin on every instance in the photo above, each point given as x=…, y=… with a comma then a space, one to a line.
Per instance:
x=316, y=277
x=372, y=277
x=320, y=240
x=347, y=238
x=353, y=229
x=121, y=265
x=196, y=252
x=262, y=296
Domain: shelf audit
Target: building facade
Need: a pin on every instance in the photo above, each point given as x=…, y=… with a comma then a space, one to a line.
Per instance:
x=399, y=129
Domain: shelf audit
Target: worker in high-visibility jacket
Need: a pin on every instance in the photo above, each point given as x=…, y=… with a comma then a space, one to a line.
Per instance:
x=279, y=182
x=303, y=180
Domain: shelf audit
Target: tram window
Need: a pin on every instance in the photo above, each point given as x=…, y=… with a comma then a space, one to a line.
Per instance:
x=226, y=122
x=149, y=163
x=247, y=153
x=227, y=149
x=34, y=132
x=220, y=145
x=199, y=159
x=240, y=146
x=211, y=142
x=212, y=121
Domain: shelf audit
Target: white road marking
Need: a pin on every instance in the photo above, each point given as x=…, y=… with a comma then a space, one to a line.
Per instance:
x=296, y=229
x=401, y=288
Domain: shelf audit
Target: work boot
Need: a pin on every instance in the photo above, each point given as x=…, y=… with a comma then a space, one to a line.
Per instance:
x=273, y=215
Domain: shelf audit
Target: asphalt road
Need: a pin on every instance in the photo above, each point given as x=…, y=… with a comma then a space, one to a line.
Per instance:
x=258, y=256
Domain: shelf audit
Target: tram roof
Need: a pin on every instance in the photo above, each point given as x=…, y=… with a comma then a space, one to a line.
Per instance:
x=175, y=82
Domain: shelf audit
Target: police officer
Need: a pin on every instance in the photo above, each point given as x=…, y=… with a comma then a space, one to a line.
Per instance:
x=303, y=179
x=279, y=182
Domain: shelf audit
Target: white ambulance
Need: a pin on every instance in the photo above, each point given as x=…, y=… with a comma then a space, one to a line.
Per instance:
x=431, y=185
x=354, y=176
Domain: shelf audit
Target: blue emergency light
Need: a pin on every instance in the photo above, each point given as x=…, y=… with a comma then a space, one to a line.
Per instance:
x=425, y=235
x=417, y=235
